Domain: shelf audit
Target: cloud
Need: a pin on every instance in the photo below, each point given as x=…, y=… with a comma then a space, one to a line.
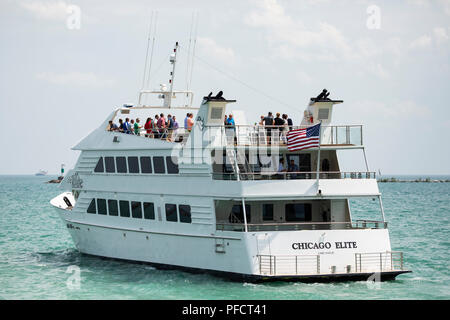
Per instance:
x=210, y=48
x=287, y=35
x=440, y=35
x=48, y=10
x=421, y=42
x=446, y=6
x=79, y=79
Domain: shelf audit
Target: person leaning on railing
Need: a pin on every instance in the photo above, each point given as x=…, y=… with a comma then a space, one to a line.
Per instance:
x=148, y=126
x=112, y=126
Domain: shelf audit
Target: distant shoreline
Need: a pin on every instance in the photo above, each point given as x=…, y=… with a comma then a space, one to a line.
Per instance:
x=413, y=180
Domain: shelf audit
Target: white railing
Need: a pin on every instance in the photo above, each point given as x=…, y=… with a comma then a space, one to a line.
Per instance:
x=293, y=175
x=292, y=226
x=274, y=265
x=247, y=135
x=379, y=261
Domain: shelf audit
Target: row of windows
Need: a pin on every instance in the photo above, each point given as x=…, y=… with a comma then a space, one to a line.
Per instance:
x=136, y=165
x=137, y=209
x=294, y=212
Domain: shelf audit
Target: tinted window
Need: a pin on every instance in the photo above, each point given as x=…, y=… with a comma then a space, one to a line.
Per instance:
x=146, y=165
x=91, y=208
x=298, y=212
x=171, y=212
x=171, y=166
x=267, y=211
x=237, y=213
x=136, y=209
x=101, y=206
x=124, y=208
x=133, y=165
x=158, y=164
x=109, y=164
x=113, y=208
x=121, y=164
x=149, y=210
x=99, y=166
x=185, y=213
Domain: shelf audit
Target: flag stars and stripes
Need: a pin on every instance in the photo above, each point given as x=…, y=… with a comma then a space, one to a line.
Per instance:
x=303, y=138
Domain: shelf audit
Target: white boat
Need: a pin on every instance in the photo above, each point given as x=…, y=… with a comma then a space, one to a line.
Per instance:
x=41, y=173
x=212, y=199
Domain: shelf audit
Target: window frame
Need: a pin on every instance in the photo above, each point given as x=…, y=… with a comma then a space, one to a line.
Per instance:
x=166, y=211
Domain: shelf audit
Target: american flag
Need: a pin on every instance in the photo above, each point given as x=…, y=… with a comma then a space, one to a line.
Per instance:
x=303, y=138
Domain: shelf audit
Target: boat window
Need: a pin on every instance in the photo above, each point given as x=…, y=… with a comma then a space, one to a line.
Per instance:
x=99, y=167
x=149, y=210
x=124, y=208
x=158, y=164
x=113, y=209
x=237, y=215
x=171, y=212
x=91, y=208
x=133, y=165
x=298, y=212
x=323, y=114
x=109, y=164
x=101, y=206
x=136, y=209
x=185, y=213
x=267, y=211
x=146, y=165
x=172, y=165
x=121, y=164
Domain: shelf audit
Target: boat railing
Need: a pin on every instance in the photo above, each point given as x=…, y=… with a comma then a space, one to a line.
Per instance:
x=292, y=226
x=293, y=175
x=256, y=135
x=179, y=134
x=311, y=264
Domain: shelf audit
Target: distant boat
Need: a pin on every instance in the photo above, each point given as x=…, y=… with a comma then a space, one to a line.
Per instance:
x=41, y=173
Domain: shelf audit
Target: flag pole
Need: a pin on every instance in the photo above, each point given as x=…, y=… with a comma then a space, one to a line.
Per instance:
x=318, y=155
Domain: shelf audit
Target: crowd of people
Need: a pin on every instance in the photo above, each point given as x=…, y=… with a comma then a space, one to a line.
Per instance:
x=280, y=124
x=164, y=128
x=160, y=127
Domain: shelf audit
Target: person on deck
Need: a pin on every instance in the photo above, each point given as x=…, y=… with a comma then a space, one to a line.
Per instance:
x=190, y=122
x=137, y=127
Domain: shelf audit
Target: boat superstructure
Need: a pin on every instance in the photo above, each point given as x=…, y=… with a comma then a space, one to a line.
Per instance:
x=211, y=197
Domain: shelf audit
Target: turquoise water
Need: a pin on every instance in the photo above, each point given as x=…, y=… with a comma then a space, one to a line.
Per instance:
x=36, y=250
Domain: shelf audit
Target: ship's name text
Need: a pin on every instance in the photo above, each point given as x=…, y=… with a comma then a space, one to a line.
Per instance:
x=324, y=245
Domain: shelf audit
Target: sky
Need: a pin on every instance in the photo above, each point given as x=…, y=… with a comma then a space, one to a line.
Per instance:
x=65, y=65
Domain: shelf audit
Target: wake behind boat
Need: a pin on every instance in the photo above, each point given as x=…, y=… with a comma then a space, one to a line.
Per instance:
x=253, y=202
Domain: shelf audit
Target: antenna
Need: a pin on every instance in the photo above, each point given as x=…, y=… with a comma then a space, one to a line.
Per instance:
x=189, y=58
x=153, y=46
x=173, y=60
x=193, y=50
x=146, y=54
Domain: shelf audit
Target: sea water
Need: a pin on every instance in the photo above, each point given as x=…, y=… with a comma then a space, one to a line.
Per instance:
x=38, y=259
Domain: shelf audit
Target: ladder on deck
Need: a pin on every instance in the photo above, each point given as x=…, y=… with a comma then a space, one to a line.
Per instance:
x=239, y=163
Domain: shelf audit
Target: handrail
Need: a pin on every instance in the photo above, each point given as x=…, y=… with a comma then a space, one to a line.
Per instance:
x=292, y=226
x=257, y=135
x=310, y=264
x=290, y=175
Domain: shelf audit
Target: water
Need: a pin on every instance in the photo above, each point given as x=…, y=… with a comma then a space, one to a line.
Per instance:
x=36, y=251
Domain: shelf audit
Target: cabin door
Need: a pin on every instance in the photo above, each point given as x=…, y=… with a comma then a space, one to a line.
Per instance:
x=263, y=244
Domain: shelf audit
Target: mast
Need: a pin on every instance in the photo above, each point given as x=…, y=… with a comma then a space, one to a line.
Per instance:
x=173, y=60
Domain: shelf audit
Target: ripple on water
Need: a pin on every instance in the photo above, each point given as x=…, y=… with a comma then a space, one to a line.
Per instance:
x=36, y=251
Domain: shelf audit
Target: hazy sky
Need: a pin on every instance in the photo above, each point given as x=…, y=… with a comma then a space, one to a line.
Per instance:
x=57, y=84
